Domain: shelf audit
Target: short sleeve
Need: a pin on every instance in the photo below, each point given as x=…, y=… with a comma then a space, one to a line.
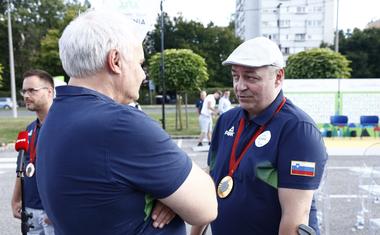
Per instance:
x=144, y=157
x=301, y=147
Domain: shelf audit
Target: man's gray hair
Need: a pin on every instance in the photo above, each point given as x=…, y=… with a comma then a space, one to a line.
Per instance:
x=87, y=40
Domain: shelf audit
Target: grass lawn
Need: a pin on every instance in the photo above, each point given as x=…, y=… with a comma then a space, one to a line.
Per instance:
x=193, y=126
x=10, y=127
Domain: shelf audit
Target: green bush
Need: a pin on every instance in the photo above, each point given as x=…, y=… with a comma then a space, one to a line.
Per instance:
x=318, y=63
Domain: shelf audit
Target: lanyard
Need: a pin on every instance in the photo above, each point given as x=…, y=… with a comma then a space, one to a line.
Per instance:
x=234, y=163
x=32, y=152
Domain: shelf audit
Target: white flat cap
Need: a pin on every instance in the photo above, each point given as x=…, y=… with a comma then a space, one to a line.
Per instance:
x=256, y=52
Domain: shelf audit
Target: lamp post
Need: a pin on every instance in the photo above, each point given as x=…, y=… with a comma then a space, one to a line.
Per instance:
x=11, y=63
x=162, y=67
x=337, y=50
x=278, y=24
x=337, y=29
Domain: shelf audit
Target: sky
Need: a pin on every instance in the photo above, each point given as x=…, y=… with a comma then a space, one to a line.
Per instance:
x=352, y=13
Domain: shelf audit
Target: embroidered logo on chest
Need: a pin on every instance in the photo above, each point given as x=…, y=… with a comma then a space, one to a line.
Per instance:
x=230, y=132
x=263, y=139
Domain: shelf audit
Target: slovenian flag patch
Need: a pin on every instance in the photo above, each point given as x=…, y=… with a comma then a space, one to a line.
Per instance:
x=302, y=168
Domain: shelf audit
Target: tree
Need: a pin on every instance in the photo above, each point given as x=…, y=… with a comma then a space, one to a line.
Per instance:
x=362, y=48
x=317, y=63
x=184, y=71
x=211, y=42
x=32, y=21
x=49, y=52
x=1, y=77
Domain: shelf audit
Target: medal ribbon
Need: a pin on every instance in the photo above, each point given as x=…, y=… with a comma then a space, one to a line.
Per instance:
x=32, y=152
x=234, y=163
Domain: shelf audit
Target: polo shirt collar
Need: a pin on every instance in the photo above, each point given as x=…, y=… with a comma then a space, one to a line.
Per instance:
x=266, y=115
x=38, y=123
x=77, y=91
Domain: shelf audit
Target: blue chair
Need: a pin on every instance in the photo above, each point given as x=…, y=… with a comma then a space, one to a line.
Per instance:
x=351, y=130
x=370, y=121
x=326, y=130
x=339, y=122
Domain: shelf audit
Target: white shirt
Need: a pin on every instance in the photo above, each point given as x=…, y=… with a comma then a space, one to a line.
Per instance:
x=209, y=101
x=224, y=105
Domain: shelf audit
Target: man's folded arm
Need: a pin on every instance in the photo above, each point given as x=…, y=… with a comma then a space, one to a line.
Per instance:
x=195, y=200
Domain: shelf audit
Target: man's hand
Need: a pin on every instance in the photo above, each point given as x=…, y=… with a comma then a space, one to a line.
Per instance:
x=16, y=209
x=161, y=215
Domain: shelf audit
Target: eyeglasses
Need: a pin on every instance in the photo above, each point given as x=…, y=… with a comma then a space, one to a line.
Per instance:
x=31, y=91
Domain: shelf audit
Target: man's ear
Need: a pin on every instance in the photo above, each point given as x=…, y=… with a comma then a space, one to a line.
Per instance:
x=280, y=77
x=114, y=61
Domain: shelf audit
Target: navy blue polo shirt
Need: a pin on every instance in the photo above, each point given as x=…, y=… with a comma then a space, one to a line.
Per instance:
x=30, y=190
x=289, y=153
x=199, y=105
x=101, y=163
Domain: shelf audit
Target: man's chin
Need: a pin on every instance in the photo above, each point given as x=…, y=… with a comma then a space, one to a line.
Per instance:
x=247, y=107
x=30, y=108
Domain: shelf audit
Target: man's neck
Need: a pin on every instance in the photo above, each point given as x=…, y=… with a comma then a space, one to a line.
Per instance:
x=41, y=114
x=99, y=82
x=103, y=83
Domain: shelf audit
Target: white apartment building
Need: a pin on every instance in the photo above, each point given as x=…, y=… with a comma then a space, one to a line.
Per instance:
x=296, y=25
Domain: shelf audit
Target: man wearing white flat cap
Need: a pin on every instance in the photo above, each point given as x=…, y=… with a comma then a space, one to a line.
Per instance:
x=266, y=157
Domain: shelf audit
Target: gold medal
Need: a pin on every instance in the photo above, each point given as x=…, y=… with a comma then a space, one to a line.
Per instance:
x=225, y=186
x=30, y=169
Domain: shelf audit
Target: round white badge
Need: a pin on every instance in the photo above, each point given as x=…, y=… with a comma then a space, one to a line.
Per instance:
x=263, y=139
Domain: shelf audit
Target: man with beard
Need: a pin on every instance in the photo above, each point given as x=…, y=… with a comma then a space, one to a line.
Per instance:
x=38, y=93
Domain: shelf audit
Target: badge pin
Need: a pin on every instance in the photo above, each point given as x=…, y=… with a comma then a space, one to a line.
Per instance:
x=225, y=186
x=30, y=169
x=263, y=139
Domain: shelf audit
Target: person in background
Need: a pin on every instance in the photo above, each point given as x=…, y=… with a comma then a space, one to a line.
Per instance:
x=136, y=105
x=224, y=102
x=267, y=157
x=205, y=118
x=198, y=105
x=38, y=92
x=112, y=163
x=199, y=102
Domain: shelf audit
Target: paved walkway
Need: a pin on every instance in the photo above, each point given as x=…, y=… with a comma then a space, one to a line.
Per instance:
x=367, y=146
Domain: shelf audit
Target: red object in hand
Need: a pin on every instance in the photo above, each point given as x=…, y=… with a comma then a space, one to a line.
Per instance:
x=22, y=141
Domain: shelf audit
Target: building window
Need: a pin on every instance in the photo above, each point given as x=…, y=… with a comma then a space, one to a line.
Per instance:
x=272, y=36
x=313, y=23
x=285, y=50
x=317, y=9
x=300, y=37
x=301, y=10
x=284, y=23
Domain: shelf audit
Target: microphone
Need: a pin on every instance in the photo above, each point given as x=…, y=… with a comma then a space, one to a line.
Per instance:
x=21, y=146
